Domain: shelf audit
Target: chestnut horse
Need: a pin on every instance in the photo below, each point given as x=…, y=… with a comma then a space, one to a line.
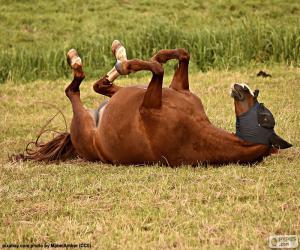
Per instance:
x=145, y=125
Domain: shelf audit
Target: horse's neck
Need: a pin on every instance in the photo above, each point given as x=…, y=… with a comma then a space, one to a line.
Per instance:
x=229, y=148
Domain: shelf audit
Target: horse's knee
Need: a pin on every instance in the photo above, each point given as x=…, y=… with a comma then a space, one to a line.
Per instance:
x=183, y=55
x=101, y=87
x=96, y=87
x=157, y=68
x=105, y=87
x=102, y=83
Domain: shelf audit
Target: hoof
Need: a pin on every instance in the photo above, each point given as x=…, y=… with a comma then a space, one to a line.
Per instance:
x=73, y=59
x=118, y=51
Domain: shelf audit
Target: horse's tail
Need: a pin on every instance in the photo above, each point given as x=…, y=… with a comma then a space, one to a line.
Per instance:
x=60, y=148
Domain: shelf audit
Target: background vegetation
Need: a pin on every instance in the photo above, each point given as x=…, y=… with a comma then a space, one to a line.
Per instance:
x=35, y=35
x=148, y=207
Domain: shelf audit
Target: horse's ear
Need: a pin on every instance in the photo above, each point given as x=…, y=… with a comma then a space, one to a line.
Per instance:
x=279, y=143
x=256, y=92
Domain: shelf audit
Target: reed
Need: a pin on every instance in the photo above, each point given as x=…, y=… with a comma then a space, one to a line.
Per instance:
x=221, y=48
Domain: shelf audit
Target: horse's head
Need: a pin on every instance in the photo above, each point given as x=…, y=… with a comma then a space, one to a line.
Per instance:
x=255, y=123
x=244, y=97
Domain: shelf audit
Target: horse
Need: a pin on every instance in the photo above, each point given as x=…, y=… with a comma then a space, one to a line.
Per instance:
x=145, y=124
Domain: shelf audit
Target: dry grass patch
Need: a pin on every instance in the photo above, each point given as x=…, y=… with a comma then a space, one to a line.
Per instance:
x=147, y=207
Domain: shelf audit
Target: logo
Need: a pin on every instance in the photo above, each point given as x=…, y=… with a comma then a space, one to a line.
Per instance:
x=283, y=241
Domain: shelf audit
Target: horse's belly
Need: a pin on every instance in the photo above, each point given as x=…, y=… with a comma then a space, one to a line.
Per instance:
x=121, y=134
x=129, y=135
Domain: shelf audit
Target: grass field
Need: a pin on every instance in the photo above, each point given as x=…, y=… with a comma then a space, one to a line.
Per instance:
x=148, y=207
x=151, y=206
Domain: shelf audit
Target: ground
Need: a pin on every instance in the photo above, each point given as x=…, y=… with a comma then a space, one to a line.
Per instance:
x=150, y=207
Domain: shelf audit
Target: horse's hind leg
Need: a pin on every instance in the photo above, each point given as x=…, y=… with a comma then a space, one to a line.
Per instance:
x=181, y=77
x=83, y=123
x=153, y=95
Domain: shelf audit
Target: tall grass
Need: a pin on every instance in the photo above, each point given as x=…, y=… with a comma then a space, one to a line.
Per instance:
x=222, y=48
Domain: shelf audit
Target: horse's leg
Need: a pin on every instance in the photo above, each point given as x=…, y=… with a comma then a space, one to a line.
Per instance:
x=105, y=85
x=83, y=123
x=153, y=95
x=181, y=77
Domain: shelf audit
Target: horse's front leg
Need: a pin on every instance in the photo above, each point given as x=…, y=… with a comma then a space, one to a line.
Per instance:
x=105, y=85
x=83, y=124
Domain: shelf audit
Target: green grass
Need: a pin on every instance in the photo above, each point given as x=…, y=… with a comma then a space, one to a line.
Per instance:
x=35, y=35
x=150, y=207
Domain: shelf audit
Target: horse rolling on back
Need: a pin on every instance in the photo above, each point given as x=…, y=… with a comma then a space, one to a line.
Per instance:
x=145, y=125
